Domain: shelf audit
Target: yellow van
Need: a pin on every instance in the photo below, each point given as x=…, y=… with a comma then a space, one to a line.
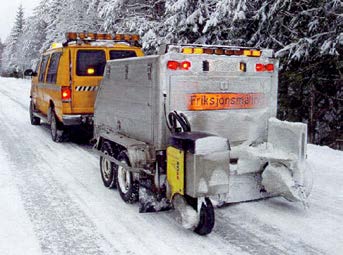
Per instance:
x=65, y=84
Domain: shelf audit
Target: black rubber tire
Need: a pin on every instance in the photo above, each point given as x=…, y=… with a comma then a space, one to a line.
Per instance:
x=206, y=220
x=131, y=193
x=109, y=176
x=33, y=119
x=56, y=128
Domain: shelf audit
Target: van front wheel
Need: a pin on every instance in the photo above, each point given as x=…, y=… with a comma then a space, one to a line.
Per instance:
x=33, y=119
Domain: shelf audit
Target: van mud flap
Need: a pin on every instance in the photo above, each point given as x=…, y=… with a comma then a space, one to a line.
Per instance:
x=151, y=199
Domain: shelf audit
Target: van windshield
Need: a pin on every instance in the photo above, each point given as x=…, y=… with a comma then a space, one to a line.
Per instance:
x=90, y=62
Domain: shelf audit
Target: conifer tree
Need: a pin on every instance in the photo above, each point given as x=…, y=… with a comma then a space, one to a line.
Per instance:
x=2, y=46
x=11, y=58
x=34, y=35
x=185, y=20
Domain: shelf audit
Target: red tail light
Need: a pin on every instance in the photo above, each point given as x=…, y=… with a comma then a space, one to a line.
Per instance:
x=174, y=65
x=259, y=67
x=269, y=67
x=264, y=68
x=185, y=65
x=66, y=94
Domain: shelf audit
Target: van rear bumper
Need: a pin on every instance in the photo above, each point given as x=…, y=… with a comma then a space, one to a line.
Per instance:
x=79, y=119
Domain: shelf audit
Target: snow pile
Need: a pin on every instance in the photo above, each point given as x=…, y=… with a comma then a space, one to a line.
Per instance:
x=290, y=137
x=186, y=215
x=278, y=180
x=211, y=144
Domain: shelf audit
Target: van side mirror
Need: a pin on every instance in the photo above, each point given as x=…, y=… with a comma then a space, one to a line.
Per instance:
x=30, y=72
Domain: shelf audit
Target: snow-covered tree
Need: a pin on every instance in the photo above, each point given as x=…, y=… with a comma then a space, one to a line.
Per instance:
x=306, y=36
x=230, y=22
x=185, y=20
x=144, y=17
x=10, y=58
x=54, y=8
x=2, y=46
x=34, y=35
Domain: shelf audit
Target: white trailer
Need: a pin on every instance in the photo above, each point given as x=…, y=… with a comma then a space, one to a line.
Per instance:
x=196, y=124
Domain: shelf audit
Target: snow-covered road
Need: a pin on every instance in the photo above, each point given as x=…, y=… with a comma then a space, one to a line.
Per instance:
x=52, y=201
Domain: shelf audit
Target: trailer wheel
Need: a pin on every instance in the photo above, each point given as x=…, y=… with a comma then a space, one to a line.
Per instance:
x=108, y=169
x=56, y=128
x=206, y=218
x=127, y=186
x=33, y=119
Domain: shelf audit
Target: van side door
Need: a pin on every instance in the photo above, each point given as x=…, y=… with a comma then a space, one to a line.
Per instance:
x=41, y=83
x=52, y=90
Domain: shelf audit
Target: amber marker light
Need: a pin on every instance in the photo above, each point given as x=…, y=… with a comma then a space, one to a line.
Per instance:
x=256, y=53
x=90, y=71
x=101, y=36
x=82, y=36
x=127, y=37
x=135, y=37
x=108, y=37
x=219, y=51
x=243, y=66
x=71, y=36
x=229, y=52
x=118, y=37
x=198, y=50
x=92, y=36
x=187, y=51
x=208, y=51
x=247, y=52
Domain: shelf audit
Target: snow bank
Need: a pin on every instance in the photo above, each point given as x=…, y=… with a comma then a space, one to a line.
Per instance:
x=211, y=144
x=16, y=231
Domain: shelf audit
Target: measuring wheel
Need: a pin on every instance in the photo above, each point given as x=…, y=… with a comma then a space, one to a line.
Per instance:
x=206, y=217
x=195, y=213
x=127, y=186
x=108, y=169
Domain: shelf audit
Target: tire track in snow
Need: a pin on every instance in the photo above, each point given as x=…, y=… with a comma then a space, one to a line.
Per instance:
x=60, y=225
x=255, y=237
x=9, y=96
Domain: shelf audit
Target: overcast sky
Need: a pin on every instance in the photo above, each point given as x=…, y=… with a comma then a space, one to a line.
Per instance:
x=8, y=10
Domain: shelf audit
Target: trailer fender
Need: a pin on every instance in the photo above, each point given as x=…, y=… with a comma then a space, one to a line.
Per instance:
x=141, y=155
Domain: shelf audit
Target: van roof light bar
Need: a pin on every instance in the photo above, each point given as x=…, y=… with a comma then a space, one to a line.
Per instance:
x=86, y=37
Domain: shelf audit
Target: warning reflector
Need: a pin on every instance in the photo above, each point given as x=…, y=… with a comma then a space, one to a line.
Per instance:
x=225, y=101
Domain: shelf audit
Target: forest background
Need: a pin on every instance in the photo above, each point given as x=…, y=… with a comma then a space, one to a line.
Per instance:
x=306, y=35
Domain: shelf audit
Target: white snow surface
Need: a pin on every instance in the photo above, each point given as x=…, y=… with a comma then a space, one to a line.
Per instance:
x=210, y=144
x=52, y=201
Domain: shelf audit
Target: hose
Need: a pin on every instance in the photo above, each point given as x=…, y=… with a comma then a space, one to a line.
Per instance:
x=174, y=118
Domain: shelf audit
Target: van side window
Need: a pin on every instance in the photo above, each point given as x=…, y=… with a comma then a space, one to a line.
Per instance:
x=43, y=68
x=53, y=67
